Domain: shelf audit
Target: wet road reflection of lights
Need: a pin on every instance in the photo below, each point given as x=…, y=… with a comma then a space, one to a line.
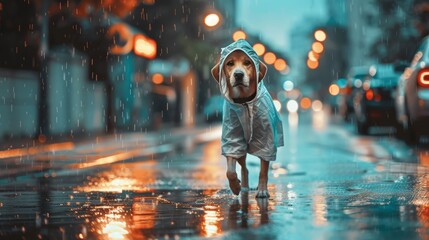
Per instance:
x=319, y=206
x=112, y=225
x=319, y=120
x=55, y=147
x=211, y=225
x=293, y=120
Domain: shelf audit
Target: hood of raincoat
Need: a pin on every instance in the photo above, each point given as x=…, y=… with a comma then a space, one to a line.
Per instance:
x=239, y=45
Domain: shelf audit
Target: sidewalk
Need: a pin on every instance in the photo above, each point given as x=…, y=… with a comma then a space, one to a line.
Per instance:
x=30, y=156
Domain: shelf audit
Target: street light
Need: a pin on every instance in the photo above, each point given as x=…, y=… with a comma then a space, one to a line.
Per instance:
x=280, y=65
x=211, y=20
x=312, y=64
x=238, y=35
x=144, y=46
x=320, y=35
x=334, y=90
x=313, y=56
x=317, y=47
x=259, y=49
x=157, y=78
x=269, y=58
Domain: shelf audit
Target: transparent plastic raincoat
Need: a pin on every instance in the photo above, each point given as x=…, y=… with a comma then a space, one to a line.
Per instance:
x=255, y=126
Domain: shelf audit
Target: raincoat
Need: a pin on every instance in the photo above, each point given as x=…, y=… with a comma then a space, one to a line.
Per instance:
x=255, y=126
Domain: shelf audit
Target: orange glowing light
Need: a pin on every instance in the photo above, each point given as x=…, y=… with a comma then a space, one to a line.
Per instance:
x=305, y=103
x=41, y=138
x=157, y=78
x=280, y=64
x=211, y=226
x=144, y=46
x=312, y=64
x=334, y=90
x=212, y=20
x=238, y=35
x=259, y=49
x=369, y=95
x=320, y=35
x=317, y=47
x=269, y=58
x=125, y=38
x=313, y=56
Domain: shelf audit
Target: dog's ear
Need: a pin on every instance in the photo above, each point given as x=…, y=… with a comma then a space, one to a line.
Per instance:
x=215, y=72
x=262, y=70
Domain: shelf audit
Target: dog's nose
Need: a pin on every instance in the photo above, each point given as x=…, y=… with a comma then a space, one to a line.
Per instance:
x=239, y=75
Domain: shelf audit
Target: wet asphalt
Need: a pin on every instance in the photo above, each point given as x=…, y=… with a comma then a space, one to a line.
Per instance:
x=327, y=183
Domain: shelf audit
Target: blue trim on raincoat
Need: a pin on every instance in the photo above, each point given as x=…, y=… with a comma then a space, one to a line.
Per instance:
x=255, y=126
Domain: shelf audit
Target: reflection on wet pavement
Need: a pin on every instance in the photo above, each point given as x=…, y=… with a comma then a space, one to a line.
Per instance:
x=327, y=184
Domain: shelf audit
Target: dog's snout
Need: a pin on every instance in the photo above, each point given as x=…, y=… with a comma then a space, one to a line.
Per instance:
x=238, y=75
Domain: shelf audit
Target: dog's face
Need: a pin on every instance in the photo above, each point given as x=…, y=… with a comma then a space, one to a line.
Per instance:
x=240, y=74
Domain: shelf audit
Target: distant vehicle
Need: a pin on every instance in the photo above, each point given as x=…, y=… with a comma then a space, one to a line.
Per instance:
x=412, y=100
x=355, y=79
x=213, y=109
x=374, y=103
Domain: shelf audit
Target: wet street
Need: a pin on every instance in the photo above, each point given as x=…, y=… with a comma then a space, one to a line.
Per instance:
x=327, y=183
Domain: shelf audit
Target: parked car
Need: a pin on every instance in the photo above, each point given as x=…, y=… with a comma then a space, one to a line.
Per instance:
x=374, y=103
x=355, y=79
x=412, y=100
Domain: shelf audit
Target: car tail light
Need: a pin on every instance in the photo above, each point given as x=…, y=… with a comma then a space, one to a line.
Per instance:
x=369, y=95
x=377, y=97
x=372, y=95
x=423, y=78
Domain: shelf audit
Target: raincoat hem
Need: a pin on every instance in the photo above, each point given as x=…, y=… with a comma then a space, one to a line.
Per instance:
x=234, y=155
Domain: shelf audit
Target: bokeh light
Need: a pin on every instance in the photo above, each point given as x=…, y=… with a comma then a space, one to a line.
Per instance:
x=238, y=35
x=320, y=35
x=313, y=56
x=269, y=58
x=305, y=103
x=212, y=20
x=317, y=105
x=317, y=47
x=334, y=90
x=288, y=85
x=280, y=65
x=259, y=49
x=292, y=106
x=157, y=78
x=144, y=46
x=312, y=64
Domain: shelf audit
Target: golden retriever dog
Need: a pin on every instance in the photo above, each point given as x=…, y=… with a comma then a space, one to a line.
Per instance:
x=250, y=122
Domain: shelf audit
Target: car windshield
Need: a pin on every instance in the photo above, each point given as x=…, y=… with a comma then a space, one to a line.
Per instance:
x=391, y=81
x=360, y=76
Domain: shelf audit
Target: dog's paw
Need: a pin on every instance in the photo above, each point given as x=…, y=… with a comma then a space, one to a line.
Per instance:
x=262, y=194
x=234, y=183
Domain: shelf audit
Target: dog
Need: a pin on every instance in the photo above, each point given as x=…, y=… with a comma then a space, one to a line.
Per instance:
x=250, y=121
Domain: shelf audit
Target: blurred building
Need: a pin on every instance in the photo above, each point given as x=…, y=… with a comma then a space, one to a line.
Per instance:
x=82, y=70
x=362, y=30
x=301, y=38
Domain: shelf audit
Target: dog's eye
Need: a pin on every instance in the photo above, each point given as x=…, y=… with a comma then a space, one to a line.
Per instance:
x=247, y=63
x=230, y=63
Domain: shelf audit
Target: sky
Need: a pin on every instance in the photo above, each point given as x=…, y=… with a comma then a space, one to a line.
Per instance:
x=274, y=19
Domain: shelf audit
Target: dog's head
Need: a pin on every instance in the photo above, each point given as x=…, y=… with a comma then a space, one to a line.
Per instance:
x=240, y=74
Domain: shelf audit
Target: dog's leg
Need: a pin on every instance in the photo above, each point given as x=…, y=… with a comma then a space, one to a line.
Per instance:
x=244, y=174
x=234, y=182
x=263, y=180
